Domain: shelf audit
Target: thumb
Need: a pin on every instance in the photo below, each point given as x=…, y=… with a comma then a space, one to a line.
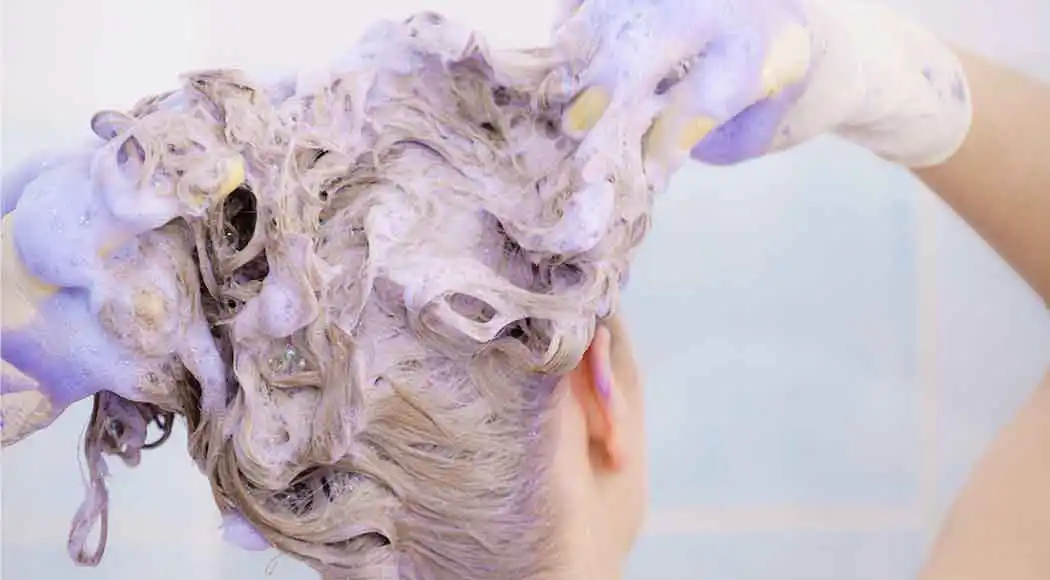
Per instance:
x=24, y=407
x=564, y=10
x=757, y=130
x=728, y=107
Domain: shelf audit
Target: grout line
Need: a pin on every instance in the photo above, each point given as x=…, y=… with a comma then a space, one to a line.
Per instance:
x=928, y=460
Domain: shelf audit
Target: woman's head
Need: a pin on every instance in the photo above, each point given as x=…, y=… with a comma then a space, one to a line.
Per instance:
x=412, y=295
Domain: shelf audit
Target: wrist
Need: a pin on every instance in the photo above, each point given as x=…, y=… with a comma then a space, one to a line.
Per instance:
x=886, y=83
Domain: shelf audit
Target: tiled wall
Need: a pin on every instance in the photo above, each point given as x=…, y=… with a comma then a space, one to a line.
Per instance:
x=827, y=350
x=819, y=380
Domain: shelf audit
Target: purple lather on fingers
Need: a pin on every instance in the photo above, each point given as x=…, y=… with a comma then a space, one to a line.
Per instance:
x=749, y=134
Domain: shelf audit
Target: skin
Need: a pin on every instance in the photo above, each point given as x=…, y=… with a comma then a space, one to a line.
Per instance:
x=600, y=463
x=999, y=182
x=999, y=528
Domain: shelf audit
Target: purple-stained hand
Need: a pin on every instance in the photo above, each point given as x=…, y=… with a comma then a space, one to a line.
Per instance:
x=728, y=80
x=722, y=73
x=97, y=294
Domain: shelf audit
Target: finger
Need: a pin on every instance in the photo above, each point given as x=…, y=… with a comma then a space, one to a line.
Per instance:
x=55, y=338
x=24, y=407
x=565, y=10
x=16, y=180
x=586, y=110
x=237, y=530
x=579, y=27
x=756, y=129
x=752, y=133
x=611, y=88
x=233, y=176
x=24, y=414
x=22, y=291
x=788, y=60
x=71, y=365
x=615, y=77
x=575, y=42
x=725, y=82
x=15, y=381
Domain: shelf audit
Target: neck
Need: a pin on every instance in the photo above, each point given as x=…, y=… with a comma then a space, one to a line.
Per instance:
x=592, y=549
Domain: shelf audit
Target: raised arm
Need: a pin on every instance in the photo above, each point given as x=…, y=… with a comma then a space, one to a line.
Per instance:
x=999, y=180
x=999, y=527
x=730, y=80
x=976, y=133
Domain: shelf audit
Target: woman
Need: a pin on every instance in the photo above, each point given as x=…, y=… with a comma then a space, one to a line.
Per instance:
x=361, y=295
x=457, y=478
x=776, y=72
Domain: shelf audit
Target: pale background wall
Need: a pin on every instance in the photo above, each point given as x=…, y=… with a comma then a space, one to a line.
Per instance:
x=827, y=348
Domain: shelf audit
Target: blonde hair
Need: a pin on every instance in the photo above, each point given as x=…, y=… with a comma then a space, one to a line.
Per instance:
x=393, y=293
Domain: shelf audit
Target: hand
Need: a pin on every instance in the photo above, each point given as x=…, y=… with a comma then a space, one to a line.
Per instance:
x=728, y=80
x=95, y=298
x=55, y=352
x=706, y=62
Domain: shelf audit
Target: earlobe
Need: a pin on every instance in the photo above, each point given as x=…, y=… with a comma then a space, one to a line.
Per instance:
x=601, y=402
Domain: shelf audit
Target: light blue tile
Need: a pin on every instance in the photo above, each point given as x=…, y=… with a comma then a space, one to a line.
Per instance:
x=43, y=477
x=777, y=331
x=156, y=561
x=777, y=556
x=993, y=347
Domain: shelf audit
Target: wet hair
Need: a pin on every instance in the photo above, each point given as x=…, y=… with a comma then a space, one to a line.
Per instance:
x=413, y=260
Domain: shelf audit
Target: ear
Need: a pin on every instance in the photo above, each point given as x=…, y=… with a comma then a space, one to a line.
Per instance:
x=601, y=401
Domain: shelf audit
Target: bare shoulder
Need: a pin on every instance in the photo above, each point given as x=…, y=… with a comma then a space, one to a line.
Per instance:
x=999, y=528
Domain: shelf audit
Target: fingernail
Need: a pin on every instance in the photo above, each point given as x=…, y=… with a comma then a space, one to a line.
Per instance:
x=655, y=138
x=586, y=111
x=788, y=60
x=22, y=290
x=237, y=530
x=602, y=370
x=604, y=384
x=694, y=131
x=770, y=84
x=662, y=153
x=234, y=177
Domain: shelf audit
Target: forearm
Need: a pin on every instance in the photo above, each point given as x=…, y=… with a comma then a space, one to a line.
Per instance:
x=999, y=180
x=888, y=84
